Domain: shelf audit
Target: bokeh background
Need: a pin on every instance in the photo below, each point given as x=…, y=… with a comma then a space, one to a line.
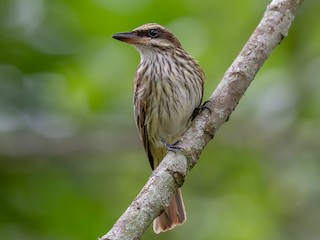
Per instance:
x=70, y=156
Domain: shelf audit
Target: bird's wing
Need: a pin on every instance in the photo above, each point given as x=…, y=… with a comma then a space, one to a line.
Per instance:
x=140, y=107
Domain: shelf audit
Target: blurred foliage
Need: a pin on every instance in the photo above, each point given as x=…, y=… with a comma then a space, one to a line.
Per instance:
x=70, y=157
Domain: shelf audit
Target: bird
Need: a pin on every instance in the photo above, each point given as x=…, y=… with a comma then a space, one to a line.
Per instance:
x=167, y=93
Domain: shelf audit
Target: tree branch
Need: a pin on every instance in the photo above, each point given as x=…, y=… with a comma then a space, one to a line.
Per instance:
x=170, y=174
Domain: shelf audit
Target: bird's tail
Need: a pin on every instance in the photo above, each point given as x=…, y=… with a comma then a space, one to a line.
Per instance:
x=172, y=216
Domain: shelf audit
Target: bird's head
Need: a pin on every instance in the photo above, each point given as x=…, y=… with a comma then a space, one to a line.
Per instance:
x=149, y=37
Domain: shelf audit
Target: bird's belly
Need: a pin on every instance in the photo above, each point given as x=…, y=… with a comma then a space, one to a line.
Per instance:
x=170, y=102
x=173, y=127
x=169, y=119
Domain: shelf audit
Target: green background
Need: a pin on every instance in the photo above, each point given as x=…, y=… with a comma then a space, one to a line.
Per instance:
x=70, y=157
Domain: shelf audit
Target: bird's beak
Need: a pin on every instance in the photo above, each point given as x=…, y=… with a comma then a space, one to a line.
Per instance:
x=128, y=37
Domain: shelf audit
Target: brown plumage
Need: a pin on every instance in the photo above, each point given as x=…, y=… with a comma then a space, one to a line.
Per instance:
x=168, y=87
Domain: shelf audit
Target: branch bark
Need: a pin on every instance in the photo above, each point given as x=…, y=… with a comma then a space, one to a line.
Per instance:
x=170, y=174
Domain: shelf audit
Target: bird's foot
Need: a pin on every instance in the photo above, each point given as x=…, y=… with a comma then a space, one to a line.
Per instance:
x=199, y=109
x=171, y=147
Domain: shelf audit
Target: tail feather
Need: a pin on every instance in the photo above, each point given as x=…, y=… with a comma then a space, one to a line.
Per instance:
x=172, y=216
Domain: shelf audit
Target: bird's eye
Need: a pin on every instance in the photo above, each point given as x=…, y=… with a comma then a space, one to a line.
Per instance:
x=153, y=33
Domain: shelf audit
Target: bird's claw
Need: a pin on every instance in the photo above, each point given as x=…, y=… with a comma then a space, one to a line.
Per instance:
x=171, y=147
x=199, y=109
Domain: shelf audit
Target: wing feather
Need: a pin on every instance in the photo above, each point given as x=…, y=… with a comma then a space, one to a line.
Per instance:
x=140, y=108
